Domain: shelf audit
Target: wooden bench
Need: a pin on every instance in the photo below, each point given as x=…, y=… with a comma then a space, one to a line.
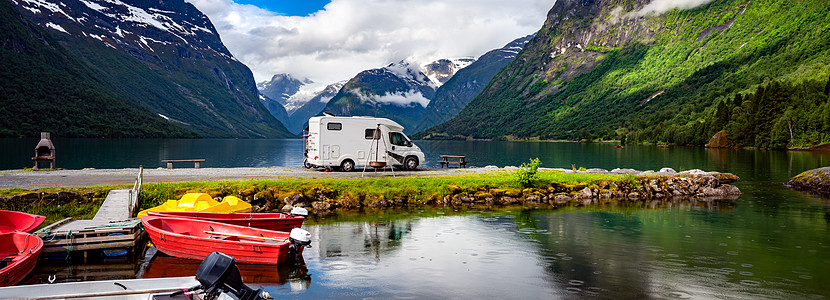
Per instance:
x=171, y=161
x=459, y=160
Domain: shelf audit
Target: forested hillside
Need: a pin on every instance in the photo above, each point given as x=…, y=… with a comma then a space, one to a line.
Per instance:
x=611, y=69
x=160, y=56
x=43, y=88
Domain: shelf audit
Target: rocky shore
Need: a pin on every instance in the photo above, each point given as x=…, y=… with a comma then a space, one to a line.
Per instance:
x=653, y=188
x=815, y=180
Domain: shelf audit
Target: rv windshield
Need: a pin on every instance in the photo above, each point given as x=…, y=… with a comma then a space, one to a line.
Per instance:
x=398, y=139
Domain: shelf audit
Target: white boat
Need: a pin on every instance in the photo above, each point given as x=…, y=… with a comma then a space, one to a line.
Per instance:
x=104, y=289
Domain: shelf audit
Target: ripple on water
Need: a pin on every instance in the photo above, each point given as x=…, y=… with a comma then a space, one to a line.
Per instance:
x=748, y=282
x=679, y=295
x=747, y=265
x=573, y=290
x=576, y=282
x=334, y=267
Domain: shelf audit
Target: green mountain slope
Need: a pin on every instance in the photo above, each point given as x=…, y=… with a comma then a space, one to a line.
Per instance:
x=162, y=56
x=602, y=69
x=44, y=89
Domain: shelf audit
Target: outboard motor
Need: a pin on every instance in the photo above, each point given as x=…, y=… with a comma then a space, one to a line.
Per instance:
x=218, y=274
x=299, y=238
x=299, y=212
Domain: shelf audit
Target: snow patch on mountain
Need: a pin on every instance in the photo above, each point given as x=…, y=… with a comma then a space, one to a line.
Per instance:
x=410, y=72
x=440, y=71
x=93, y=5
x=56, y=27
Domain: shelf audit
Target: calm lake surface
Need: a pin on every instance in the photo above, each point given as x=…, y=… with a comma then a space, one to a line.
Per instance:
x=772, y=242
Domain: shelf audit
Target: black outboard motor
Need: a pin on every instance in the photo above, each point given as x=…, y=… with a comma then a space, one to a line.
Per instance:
x=218, y=274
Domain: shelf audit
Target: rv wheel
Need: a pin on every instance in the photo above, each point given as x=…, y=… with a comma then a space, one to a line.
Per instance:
x=347, y=166
x=411, y=163
x=306, y=164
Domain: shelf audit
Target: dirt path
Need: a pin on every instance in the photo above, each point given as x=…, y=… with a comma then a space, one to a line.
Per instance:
x=92, y=177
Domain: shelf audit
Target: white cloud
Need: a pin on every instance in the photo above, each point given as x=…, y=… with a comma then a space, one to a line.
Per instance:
x=408, y=98
x=350, y=36
x=661, y=6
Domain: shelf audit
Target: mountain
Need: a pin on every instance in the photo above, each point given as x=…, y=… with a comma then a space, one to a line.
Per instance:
x=460, y=88
x=163, y=56
x=275, y=108
x=399, y=91
x=632, y=70
x=440, y=71
x=281, y=87
x=44, y=88
x=298, y=120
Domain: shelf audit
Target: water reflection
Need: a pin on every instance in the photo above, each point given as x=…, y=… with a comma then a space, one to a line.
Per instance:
x=678, y=252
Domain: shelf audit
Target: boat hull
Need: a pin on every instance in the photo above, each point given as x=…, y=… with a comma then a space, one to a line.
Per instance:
x=11, y=221
x=196, y=239
x=23, y=249
x=270, y=221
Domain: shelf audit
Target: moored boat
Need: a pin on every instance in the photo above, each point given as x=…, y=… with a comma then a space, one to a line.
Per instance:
x=196, y=239
x=270, y=221
x=20, y=221
x=193, y=202
x=18, y=256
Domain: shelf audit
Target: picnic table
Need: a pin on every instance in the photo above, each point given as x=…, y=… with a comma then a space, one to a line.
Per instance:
x=459, y=160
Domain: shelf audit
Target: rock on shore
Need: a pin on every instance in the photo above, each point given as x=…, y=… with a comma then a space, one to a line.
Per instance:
x=816, y=180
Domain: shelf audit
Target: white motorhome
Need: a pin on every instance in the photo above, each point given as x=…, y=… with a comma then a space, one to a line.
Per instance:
x=348, y=142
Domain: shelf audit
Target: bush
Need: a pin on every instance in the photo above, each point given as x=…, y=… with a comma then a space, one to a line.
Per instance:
x=526, y=174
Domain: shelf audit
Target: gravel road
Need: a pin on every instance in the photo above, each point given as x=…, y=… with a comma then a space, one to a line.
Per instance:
x=92, y=177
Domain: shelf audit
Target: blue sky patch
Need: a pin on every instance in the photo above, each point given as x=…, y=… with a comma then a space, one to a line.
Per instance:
x=300, y=8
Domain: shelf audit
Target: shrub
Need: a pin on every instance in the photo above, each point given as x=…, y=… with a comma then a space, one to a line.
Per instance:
x=526, y=174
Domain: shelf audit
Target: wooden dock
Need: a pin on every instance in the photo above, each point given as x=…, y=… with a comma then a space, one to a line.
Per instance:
x=111, y=228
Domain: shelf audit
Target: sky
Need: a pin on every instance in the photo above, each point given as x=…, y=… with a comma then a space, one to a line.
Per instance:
x=331, y=41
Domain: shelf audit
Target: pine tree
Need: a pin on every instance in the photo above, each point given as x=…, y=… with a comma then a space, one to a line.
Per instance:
x=827, y=87
x=721, y=116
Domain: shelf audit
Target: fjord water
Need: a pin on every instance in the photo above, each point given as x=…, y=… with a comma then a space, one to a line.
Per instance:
x=772, y=242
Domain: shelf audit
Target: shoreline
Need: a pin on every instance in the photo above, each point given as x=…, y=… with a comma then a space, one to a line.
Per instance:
x=280, y=189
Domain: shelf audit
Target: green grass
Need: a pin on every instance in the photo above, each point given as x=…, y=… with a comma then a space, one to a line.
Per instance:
x=413, y=189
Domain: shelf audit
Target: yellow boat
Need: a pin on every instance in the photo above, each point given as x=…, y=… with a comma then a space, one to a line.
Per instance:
x=203, y=203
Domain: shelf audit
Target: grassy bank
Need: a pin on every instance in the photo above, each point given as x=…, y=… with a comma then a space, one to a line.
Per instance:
x=268, y=195
x=56, y=203
x=524, y=187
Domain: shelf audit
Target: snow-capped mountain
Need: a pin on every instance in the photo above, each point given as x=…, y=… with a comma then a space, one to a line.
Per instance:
x=399, y=91
x=467, y=83
x=440, y=71
x=164, y=55
x=281, y=87
x=298, y=118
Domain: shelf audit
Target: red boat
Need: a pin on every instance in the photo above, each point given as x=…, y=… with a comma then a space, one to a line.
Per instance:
x=14, y=220
x=195, y=239
x=271, y=221
x=18, y=256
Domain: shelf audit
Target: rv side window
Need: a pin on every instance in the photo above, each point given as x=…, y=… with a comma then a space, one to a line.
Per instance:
x=370, y=133
x=334, y=126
